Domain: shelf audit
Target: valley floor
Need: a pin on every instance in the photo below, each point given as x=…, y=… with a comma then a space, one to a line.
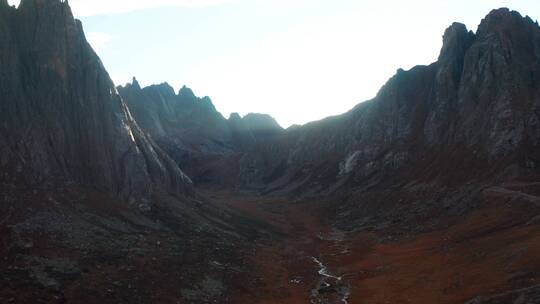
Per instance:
x=258, y=249
x=493, y=252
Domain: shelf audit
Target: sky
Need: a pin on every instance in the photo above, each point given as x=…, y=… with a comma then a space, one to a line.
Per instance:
x=297, y=60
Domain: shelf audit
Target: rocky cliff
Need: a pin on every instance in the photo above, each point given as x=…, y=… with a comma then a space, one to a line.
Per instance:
x=190, y=129
x=62, y=118
x=181, y=117
x=477, y=107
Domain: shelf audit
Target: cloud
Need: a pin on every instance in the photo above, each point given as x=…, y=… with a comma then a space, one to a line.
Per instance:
x=85, y=8
x=98, y=40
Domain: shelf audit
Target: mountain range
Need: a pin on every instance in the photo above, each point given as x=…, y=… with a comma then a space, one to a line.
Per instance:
x=428, y=193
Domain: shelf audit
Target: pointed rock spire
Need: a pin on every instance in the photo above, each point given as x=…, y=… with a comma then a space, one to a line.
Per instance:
x=135, y=84
x=186, y=92
x=456, y=40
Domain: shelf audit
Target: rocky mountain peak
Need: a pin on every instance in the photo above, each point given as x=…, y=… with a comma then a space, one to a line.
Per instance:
x=135, y=84
x=456, y=40
x=207, y=103
x=49, y=9
x=503, y=21
x=235, y=117
x=41, y=3
x=262, y=125
x=258, y=119
x=187, y=97
x=163, y=89
x=186, y=93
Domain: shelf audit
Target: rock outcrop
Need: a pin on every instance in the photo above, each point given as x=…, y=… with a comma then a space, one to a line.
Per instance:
x=62, y=119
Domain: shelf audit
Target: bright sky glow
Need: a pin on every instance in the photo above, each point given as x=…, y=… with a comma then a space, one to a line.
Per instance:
x=297, y=60
x=85, y=8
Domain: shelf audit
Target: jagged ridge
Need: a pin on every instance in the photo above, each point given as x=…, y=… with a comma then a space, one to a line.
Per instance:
x=205, y=144
x=478, y=104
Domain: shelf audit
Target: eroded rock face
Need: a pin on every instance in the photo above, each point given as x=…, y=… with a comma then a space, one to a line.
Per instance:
x=478, y=104
x=499, y=100
x=62, y=118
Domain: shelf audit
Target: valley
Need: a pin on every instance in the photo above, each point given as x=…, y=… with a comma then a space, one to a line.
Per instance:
x=427, y=193
x=490, y=251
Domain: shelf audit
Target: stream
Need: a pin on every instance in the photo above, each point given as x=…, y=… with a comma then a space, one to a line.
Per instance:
x=329, y=287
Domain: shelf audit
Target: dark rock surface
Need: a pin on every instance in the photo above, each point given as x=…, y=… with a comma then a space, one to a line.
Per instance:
x=62, y=118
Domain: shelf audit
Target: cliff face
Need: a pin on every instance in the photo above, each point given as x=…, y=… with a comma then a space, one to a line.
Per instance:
x=62, y=118
x=478, y=104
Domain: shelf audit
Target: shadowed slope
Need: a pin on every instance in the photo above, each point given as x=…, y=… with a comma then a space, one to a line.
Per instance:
x=62, y=117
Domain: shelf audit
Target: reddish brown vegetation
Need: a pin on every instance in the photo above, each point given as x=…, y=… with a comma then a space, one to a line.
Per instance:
x=489, y=251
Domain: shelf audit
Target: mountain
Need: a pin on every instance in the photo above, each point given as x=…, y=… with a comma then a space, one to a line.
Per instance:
x=240, y=131
x=262, y=126
x=92, y=210
x=473, y=112
x=428, y=193
x=63, y=120
x=190, y=129
x=164, y=115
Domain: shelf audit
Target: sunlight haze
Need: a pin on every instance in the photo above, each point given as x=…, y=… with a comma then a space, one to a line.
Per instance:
x=297, y=60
